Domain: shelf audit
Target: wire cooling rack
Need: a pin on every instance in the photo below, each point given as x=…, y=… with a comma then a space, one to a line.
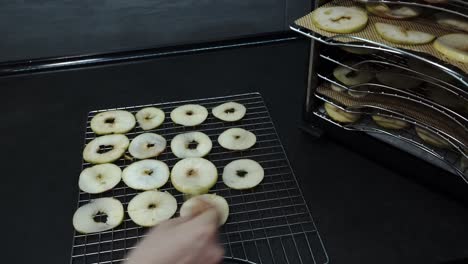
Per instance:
x=268, y=224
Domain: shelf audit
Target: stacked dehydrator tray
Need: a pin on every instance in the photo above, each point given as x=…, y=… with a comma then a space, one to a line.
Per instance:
x=403, y=104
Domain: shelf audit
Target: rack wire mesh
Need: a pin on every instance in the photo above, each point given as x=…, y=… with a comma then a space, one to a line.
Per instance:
x=270, y=223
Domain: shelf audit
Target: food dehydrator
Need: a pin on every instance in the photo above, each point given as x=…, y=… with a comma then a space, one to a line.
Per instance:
x=409, y=109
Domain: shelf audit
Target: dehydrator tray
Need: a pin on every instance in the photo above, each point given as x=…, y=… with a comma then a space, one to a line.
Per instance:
x=424, y=115
x=444, y=159
x=406, y=95
x=368, y=38
x=268, y=224
x=381, y=61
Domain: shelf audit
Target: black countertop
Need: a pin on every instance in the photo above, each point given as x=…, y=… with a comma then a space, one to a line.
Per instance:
x=365, y=213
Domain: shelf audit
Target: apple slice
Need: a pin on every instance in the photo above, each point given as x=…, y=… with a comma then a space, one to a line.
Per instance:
x=151, y=208
x=401, y=35
x=147, y=145
x=393, y=11
x=390, y=123
x=243, y=174
x=453, y=46
x=229, y=112
x=146, y=174
x=105, y=149
x=197, y=205
x=99, y=178
x=452, y=21
x=112, y=122
x=86, y=218
x=349, y=77
x=432, y=138
x=150, y=118
x=340, y=19
x=191, y=145
x=194, y=175
x=189, y=115
x=237, y=139
x=339, y=115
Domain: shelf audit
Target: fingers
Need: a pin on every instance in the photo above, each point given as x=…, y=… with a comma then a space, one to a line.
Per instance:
x=209, y=218
x=174, y=222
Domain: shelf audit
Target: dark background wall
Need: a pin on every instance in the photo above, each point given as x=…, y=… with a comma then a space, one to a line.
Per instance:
x=47, y=28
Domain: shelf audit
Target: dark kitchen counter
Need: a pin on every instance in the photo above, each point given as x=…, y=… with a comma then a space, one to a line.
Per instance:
x=365, y=213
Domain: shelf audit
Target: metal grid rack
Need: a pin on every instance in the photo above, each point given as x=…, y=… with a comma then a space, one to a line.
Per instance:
x=443, y=158
x=268, y=224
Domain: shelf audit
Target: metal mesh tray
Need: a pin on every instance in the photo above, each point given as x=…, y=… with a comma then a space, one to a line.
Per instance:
x=368, y=38
x=424, y=115
x=268, y=224
x=443, y=158
x=381, y=61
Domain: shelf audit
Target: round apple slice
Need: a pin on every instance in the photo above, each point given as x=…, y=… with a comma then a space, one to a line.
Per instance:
x=112, y=122
x=340, y=19
x=432, y=138
x=151, y=208
x=105, y=149
x=189, y=115
x=194, y=175
x=349, y=77
x=147, y=145
x=146, y=174
x=452, y=21
x=150, y=118
x=191, y=145
x=453, y=46
x=243, y=174
x=87, y=218
x=197, y=205
x=397, y=79
x=229, y=112
x=393, y=11
x=390, y=123
x=99, y=178
x=401, y=35
x=237, y=139
x=339, y=115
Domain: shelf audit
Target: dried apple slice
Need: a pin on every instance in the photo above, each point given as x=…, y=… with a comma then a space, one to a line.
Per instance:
x=401, y=35
x=453, y=46
x=340, y=19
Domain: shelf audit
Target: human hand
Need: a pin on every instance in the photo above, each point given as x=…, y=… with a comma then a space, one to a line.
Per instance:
x=183, y=240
